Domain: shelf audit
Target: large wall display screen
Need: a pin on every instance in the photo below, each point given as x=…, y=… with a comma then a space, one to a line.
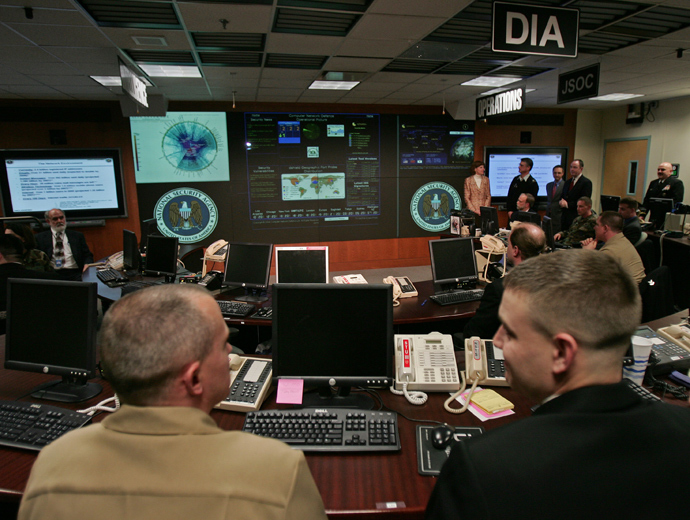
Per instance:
x=85, y=183
x=180, y=147
x=502, y=166
x=313, y=166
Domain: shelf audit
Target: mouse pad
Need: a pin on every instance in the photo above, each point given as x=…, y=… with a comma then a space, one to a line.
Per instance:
x=429, y=459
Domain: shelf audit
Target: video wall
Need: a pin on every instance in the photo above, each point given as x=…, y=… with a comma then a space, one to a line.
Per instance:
x=299, y=177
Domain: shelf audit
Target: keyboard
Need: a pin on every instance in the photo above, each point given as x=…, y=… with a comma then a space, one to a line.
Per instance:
x=641, y=391
x=328, y=429
x=451, y=298
x=235, y=309
x=264, y=313
x=32, y=426
x=111, y=277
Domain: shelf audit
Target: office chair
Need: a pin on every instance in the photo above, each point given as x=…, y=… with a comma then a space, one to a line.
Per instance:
x=193, y=260
x=657, y=294
x=647, y=252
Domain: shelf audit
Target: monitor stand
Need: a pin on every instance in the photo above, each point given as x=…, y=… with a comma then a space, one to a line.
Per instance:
x=327, y=397
x=440, y=288
x=254, y=296
x=68, y=390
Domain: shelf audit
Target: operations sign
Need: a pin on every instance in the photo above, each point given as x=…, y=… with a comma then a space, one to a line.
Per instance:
x=529, y=29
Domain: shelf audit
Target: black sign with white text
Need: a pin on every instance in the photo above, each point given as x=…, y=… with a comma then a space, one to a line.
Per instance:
x=578, y=84
x=529, y=29
x=501, y=103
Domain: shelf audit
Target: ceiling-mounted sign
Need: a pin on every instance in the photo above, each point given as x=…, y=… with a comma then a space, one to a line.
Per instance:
x=132, y=85
x=578, y=84
x=530, y=29
x=501, y=103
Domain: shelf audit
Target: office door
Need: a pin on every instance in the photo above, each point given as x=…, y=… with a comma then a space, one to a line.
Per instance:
x=625, y=165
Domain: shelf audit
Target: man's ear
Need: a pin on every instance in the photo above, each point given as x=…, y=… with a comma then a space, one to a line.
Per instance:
x=565, y=349
x=190, y=378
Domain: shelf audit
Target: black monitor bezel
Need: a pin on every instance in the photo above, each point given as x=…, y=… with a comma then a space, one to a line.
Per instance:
x=161, y=272
x=547, y=228
x=610, y=199
x=133, y=262
x=489, y=220
x=66, y=153
x=658, y=207
x=74, y=386
x=452, y=281
x=384, y=292
x=253, y=284
x=527, y=216
x=278, y=250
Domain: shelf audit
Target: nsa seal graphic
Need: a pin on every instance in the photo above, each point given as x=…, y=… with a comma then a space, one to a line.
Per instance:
x=186, y=213
x=431, y=205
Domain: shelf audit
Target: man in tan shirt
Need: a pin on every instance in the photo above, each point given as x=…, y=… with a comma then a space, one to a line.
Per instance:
x=165, y=352
x=609, y=229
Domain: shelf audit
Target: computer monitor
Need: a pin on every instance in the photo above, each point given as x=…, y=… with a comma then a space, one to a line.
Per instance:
x=249, y=266
x=526, y=216
x=658, y=208
x=131, y=258
x=42, y=338
x=334, y=336
x=453, y=264
x=161, y=257
x=489, y=217
x=609, y=202
x=547, y=228
x=308, y=264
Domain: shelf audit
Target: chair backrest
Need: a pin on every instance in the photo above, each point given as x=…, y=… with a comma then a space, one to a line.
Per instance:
x=657, y=294
x=647, y=253
x=193, y=260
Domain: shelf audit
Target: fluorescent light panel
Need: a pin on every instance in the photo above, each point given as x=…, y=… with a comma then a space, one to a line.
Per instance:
x=170, y=71
x=490, y=81
x=615, y=97
x=334, y=85
x=116, y=81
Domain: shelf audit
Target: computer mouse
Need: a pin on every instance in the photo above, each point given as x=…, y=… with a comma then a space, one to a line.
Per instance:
x=441, y=436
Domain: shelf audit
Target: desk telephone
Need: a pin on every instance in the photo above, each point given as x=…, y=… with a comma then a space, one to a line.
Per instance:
x=250, y=381
x=483, y=365
x=424, y=363
x=216, y=252
x=402, y=288
x=212, y=280
x=491, y=259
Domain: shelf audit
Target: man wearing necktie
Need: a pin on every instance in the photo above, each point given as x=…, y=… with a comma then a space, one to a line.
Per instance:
x=553, y=195
x=68, y=251
x=665, y=187
x=575, y=188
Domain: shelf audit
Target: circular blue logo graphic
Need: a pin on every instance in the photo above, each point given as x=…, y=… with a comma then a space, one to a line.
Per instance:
x=186, y=213
x=431, y=206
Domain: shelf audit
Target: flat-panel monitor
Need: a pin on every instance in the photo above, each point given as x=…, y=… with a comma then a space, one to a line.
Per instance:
x=249, y=266
x=87, y=184
x=547, y=228
x=307, y=264
x=502, y=166
x=131, y=258
x=609, y=202
x=489, y=217
x=658, y=208
x=334, y=336
x=161, y=257
x=526, y=216
x=41, y=338
x=453, y=264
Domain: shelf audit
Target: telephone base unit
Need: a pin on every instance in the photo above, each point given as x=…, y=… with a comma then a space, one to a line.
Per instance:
x=250, y=381
x=433, y=357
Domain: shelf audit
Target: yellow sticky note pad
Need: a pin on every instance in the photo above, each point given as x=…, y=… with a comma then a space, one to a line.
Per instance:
x=491, y=402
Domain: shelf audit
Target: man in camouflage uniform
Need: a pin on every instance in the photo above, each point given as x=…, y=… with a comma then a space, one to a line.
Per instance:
x=582, y=227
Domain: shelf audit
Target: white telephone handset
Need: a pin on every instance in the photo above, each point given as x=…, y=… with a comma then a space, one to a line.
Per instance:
x=425, y=362
x=475, y=372
x=216, y=252
x=493, y=250
x=402, y=288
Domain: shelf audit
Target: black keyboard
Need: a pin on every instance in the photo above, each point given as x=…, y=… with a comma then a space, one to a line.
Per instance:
x=32, y=426
x=235, y=309
x=264, y=313
x=641, y=391
x=111, y=277
x=133, y=285
x=470, y=295
x=328, y=429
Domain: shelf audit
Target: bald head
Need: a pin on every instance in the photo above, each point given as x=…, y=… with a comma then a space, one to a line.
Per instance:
x=664, y=170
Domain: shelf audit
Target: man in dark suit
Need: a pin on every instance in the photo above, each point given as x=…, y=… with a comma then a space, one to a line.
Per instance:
x=576, y=187
x=68, y=251
x=627, y=208
x=554, y=190
x=525, y=241
x=522, y=183
x=665, y=187
x=582, y=452
x=11, y=254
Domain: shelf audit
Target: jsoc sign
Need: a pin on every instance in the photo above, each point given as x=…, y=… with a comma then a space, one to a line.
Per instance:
x=578, y=84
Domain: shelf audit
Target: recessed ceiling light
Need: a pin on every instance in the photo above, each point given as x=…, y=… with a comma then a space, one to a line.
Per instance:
x=490, y=81
x=615, y=97
x=116, y=81
x=170, y=71
x=334, y=85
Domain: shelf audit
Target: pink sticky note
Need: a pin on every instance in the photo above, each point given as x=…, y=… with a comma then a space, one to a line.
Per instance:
x=290, y=391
